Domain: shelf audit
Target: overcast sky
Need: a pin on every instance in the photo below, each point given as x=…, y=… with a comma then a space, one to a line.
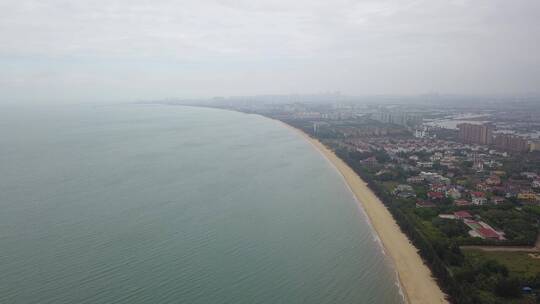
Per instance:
x=53, y=50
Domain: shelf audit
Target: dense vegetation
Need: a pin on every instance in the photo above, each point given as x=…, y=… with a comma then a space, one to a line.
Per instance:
x=466, y=280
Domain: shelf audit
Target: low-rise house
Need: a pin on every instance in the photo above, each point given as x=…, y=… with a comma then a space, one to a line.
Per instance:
x=435, y=178
x=493, y=164
x=370, y=161
x=478, y=165
x=527, y=196
x=478, y=198
x=447, y=164
x=409, y=168
x=435, y=195
x=438, y=187
x=487, y=233
x=435, y=157
x=499, y=172
x=401, y=187
x=529, y=175
x=462, y=215
x=415, y=179
x=497, y=200
x=404, y=191
x=510, y=193
x=483, y=230
x=424, y=204
x=383, y=171
x=483, y=187
x=462, y=202
x=493, y=180
x=453, y=193
x=424, y=164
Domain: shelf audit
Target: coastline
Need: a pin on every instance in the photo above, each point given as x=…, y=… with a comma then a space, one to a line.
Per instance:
x=415, y=279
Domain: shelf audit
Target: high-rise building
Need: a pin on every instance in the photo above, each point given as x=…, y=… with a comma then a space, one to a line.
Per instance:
x=398, y=118
x=534, y=146
x=511, y=142
x=475, y=134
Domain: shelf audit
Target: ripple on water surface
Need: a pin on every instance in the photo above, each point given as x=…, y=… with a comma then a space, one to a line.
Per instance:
x=163, y=204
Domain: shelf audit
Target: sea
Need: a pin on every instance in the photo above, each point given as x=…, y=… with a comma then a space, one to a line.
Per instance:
x=135, y=203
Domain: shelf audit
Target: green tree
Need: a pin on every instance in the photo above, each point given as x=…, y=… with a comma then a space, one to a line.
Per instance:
x=507, y=288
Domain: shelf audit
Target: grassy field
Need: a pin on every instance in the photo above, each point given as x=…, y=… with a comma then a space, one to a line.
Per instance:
x=390, y=185
x=518, y=263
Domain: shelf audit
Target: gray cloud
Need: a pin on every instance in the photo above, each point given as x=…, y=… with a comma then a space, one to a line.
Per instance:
x=127, y=49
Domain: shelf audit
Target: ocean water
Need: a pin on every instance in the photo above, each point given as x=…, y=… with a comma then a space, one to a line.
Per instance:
x=170, y=204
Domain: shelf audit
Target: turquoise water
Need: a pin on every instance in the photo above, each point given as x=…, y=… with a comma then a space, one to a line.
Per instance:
x=170, y=204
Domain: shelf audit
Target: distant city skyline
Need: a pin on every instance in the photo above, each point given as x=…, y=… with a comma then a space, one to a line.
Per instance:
x=58, y=51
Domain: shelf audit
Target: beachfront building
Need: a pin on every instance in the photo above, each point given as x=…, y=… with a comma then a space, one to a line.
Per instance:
x=483, y=230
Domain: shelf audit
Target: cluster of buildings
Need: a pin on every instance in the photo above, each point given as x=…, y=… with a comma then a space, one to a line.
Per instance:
x=475, y=134
x=510, y=142
x=409, y=145
x=478, y=228
x=434, y=173
x=483, y=134
x=401, y=118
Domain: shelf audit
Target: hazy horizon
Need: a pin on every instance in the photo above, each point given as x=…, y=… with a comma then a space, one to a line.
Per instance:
x=138, y=50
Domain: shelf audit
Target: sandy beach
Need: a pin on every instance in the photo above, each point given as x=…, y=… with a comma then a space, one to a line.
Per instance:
x=416, y=280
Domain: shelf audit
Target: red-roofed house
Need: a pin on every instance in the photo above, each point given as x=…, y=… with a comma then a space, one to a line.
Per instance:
x=483, y=230
x=435, y=195
x=483, y=187
x=462, y=202
x=438, y=187
x=478, y=198
x=487, y=233
x=462, y=215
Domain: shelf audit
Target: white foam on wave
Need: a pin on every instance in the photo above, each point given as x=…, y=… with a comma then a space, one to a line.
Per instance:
x=377, y=239
x=400, y=288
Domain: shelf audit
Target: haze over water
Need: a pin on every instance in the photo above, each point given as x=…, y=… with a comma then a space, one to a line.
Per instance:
x=163, y=204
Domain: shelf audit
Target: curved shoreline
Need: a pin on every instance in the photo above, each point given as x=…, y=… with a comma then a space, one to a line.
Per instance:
x=415, y=279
